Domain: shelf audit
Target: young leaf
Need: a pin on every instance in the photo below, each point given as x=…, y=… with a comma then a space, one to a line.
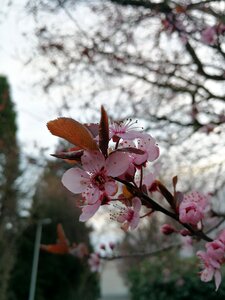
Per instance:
x=166, y=193
x=74, y=132
x=104, y=132
x=74, y=156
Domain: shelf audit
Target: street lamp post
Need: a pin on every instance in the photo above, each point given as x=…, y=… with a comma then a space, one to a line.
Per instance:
x=36, y=256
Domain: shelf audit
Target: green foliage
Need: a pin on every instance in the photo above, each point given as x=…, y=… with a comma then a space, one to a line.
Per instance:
x=171, y=278
x=59, y=276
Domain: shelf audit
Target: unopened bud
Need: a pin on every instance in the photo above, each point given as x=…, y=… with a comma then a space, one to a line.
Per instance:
x=167, y=229
x=111, y=245
x=185, y=232
x=102, y=246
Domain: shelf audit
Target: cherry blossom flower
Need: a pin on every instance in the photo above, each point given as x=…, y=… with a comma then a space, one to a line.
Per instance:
x=149, y=147
x=129, y=216
x=209, y=270
x=94, y=262
x=212, y=259
x=95, y=180
x=192, y=208
x=125, y=130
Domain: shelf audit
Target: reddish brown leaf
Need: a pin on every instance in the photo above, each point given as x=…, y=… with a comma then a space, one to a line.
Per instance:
x=62, y=239
x=174, y=180
x=166, y=193
x=62, y=245
x=104, y=132
x=74, y=132
x=70, y=155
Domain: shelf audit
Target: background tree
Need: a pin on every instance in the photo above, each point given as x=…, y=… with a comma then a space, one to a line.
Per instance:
x=59, y=276
x=9, y=188
x=161, y=62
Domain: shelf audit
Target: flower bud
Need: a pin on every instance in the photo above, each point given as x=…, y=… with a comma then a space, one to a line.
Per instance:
x=111, y=245
x=167, y=229
x=185, y=232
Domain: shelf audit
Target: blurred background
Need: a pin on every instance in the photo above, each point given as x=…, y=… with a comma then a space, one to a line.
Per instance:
x=158, y=62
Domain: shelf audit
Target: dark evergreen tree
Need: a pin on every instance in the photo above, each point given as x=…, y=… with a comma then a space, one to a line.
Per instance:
x=59, y=276
x=9, y=190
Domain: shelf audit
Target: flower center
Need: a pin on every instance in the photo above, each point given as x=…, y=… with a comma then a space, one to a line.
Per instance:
x=130, y=215
x=99, y=180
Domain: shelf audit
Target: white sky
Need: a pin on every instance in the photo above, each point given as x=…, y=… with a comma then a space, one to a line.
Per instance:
x=32, y=108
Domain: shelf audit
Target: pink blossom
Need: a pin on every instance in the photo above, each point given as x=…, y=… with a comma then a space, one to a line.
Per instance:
x=149, y=147
x=216, y=251
x=209, y=270
x=95, y=180
x=129, y=216
x=94, y=262
x=125, y=130
x=192, y=208
x=209, y=35
x=212, y=259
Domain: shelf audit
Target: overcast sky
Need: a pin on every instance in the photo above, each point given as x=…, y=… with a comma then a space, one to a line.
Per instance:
x=31, y=105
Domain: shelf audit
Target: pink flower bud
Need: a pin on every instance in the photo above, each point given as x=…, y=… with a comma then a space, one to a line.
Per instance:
x=167, y=229
x=111, y=245
x=185, y=232
x=102, y=246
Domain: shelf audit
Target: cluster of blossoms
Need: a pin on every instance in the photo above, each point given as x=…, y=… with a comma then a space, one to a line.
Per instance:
x=212, y=259
x=95, y=179
x=111, y=168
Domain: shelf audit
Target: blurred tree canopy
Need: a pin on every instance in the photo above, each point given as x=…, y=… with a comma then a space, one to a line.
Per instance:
x=10, y=194
x=59, y=276
x=150, y=60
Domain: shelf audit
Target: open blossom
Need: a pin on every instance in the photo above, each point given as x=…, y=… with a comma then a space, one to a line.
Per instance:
x=209, y=270
x=147, y=144
x=94, y=262
x=192, y=208
x=95, y=180
x=212, y=259
x=129, y=216
x=125, y=130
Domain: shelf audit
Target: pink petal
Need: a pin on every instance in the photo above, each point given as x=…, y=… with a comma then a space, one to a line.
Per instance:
x=135, y=221
x=153, y=153
x=75, y=180
x=130, y=135
x=148, y=179
x=140, y=159
x=148, y=144
x=136, y=203
x=111, y=188
x=122, y=218
x=91, y=194
x=217, y=277
x=92, y=161
x=117, y=163
x=207, y=274
x=88, y=211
